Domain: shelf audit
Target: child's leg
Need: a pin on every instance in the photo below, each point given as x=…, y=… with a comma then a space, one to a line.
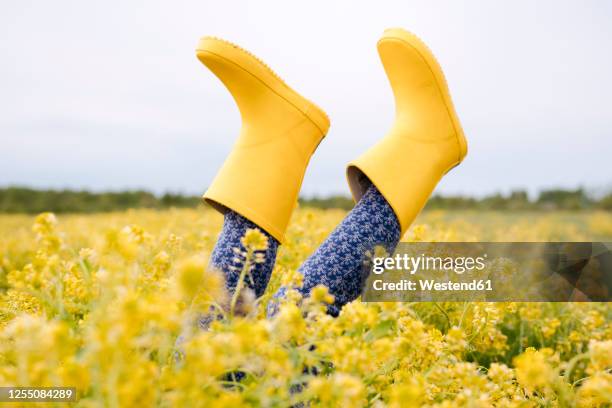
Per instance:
x=339, y=262
x=262, y=175
x=227, y=255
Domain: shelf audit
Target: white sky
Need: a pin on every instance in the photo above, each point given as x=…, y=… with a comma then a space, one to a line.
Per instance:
x=109, y=94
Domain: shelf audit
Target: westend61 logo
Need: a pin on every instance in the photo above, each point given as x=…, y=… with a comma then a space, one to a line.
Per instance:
x=492, y=272
x=413, y=264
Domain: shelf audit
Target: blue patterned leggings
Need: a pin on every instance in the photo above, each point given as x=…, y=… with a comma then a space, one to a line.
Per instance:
x=338, y=263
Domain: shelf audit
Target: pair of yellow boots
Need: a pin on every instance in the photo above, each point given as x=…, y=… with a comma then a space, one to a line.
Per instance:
x=262, y=176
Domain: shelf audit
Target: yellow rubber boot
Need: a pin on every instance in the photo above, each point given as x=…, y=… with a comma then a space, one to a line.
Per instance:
x=262, y=176
x=426, y=139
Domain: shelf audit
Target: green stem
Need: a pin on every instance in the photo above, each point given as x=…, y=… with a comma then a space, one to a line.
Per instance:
x=240, y=284
x=572, y=365
x=465, y=308
x=444, y=313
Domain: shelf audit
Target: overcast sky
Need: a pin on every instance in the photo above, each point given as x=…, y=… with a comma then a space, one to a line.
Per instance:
x=109, y=94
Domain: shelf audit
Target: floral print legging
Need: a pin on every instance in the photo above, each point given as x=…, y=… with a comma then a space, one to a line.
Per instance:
x=339, y=263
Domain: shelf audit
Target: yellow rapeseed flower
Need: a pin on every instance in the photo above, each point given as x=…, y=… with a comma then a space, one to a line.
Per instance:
x=533, y=370
x=255, y=240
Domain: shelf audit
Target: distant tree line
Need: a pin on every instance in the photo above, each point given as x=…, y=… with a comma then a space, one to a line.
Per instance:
x=554, y=199
x=31, y=201
x=27, y=200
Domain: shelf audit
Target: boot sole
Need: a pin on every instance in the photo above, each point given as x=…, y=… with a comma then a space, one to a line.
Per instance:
x=411, y=40
x=245, y=60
